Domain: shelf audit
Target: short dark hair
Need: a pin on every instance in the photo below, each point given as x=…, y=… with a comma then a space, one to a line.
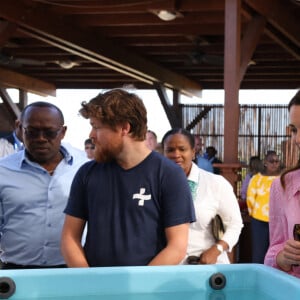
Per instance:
x=42, y=104
x=212, y=149
x=182, y=131
x=88, y=142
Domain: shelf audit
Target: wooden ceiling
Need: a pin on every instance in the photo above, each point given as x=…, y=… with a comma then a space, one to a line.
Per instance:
x=49, y=44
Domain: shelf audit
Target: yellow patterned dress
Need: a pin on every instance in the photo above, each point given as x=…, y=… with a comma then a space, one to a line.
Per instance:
x=258, y=196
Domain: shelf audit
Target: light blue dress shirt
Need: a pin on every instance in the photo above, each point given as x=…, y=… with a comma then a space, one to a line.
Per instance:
x=31, y=208
x=18, y=145
x=204, y=164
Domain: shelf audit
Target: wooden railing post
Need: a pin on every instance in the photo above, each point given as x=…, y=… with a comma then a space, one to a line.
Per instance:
x=231, y=172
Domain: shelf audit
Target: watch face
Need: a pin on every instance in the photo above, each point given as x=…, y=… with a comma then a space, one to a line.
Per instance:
x=220, y=248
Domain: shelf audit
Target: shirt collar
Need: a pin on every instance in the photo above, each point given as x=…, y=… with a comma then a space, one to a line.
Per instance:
x=292, y=179
x=16, y=138
x=67, y=157
x=194, y=173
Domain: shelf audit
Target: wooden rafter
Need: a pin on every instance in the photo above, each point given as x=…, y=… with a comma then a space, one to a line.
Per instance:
x=250, y=38
x=6, y=30
x=12, y=108
x=53, y=30
x=284, y=24
x=14, y=79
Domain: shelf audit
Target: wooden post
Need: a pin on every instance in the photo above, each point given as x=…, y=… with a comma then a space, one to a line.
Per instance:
x=232, y=79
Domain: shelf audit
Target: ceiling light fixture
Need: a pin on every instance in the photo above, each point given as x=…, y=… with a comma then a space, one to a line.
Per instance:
x=166, y=15
x=66, y=64
x=251, y=63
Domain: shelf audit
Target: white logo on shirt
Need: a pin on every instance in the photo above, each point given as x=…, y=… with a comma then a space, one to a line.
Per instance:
x=142, y=198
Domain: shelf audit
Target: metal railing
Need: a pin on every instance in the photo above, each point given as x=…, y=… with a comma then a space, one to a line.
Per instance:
x=261, y=128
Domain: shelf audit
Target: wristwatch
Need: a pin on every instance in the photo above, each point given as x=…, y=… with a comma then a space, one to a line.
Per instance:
x=220, y=248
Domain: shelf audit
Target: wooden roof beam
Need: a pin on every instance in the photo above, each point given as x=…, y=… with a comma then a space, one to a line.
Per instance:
x=172, y=111
x=103, y=7
x=12, y=107
x=16, y=80
x=6, y=30
x=283, y=18
x=48, y=27
x=250, y=38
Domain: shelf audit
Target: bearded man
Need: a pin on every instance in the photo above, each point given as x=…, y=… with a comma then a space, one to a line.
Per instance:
x=137, y=204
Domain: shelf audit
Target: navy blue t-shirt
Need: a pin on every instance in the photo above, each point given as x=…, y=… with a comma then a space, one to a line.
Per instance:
x=128, y=210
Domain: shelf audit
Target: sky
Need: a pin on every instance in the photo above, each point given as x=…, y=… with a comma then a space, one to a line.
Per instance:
x=69, y=101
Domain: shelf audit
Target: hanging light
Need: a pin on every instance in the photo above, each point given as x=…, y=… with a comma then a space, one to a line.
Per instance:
x=67, y=64
x=166, y=15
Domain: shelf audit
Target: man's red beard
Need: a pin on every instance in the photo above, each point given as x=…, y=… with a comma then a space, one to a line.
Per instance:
x=107, y=153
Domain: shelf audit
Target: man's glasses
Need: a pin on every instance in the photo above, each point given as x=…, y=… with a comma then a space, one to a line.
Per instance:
x=33, y=133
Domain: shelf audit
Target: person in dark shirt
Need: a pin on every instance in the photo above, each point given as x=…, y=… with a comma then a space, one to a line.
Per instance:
x=136, y=203
x=210, y=155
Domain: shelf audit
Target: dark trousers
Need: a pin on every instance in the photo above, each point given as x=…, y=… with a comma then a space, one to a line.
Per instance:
x=9, y=266
x=260, y=240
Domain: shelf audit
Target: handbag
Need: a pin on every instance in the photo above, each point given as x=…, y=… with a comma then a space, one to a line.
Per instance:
x=218, y=228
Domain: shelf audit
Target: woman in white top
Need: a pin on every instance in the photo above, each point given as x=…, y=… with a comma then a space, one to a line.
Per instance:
x=212, y=195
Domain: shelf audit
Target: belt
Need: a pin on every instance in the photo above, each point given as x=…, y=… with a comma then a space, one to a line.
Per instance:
x=8, y=265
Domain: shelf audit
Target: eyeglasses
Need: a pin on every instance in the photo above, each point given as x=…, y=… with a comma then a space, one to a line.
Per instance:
x=272, y=161
x=90, y=147
x=33, y=133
